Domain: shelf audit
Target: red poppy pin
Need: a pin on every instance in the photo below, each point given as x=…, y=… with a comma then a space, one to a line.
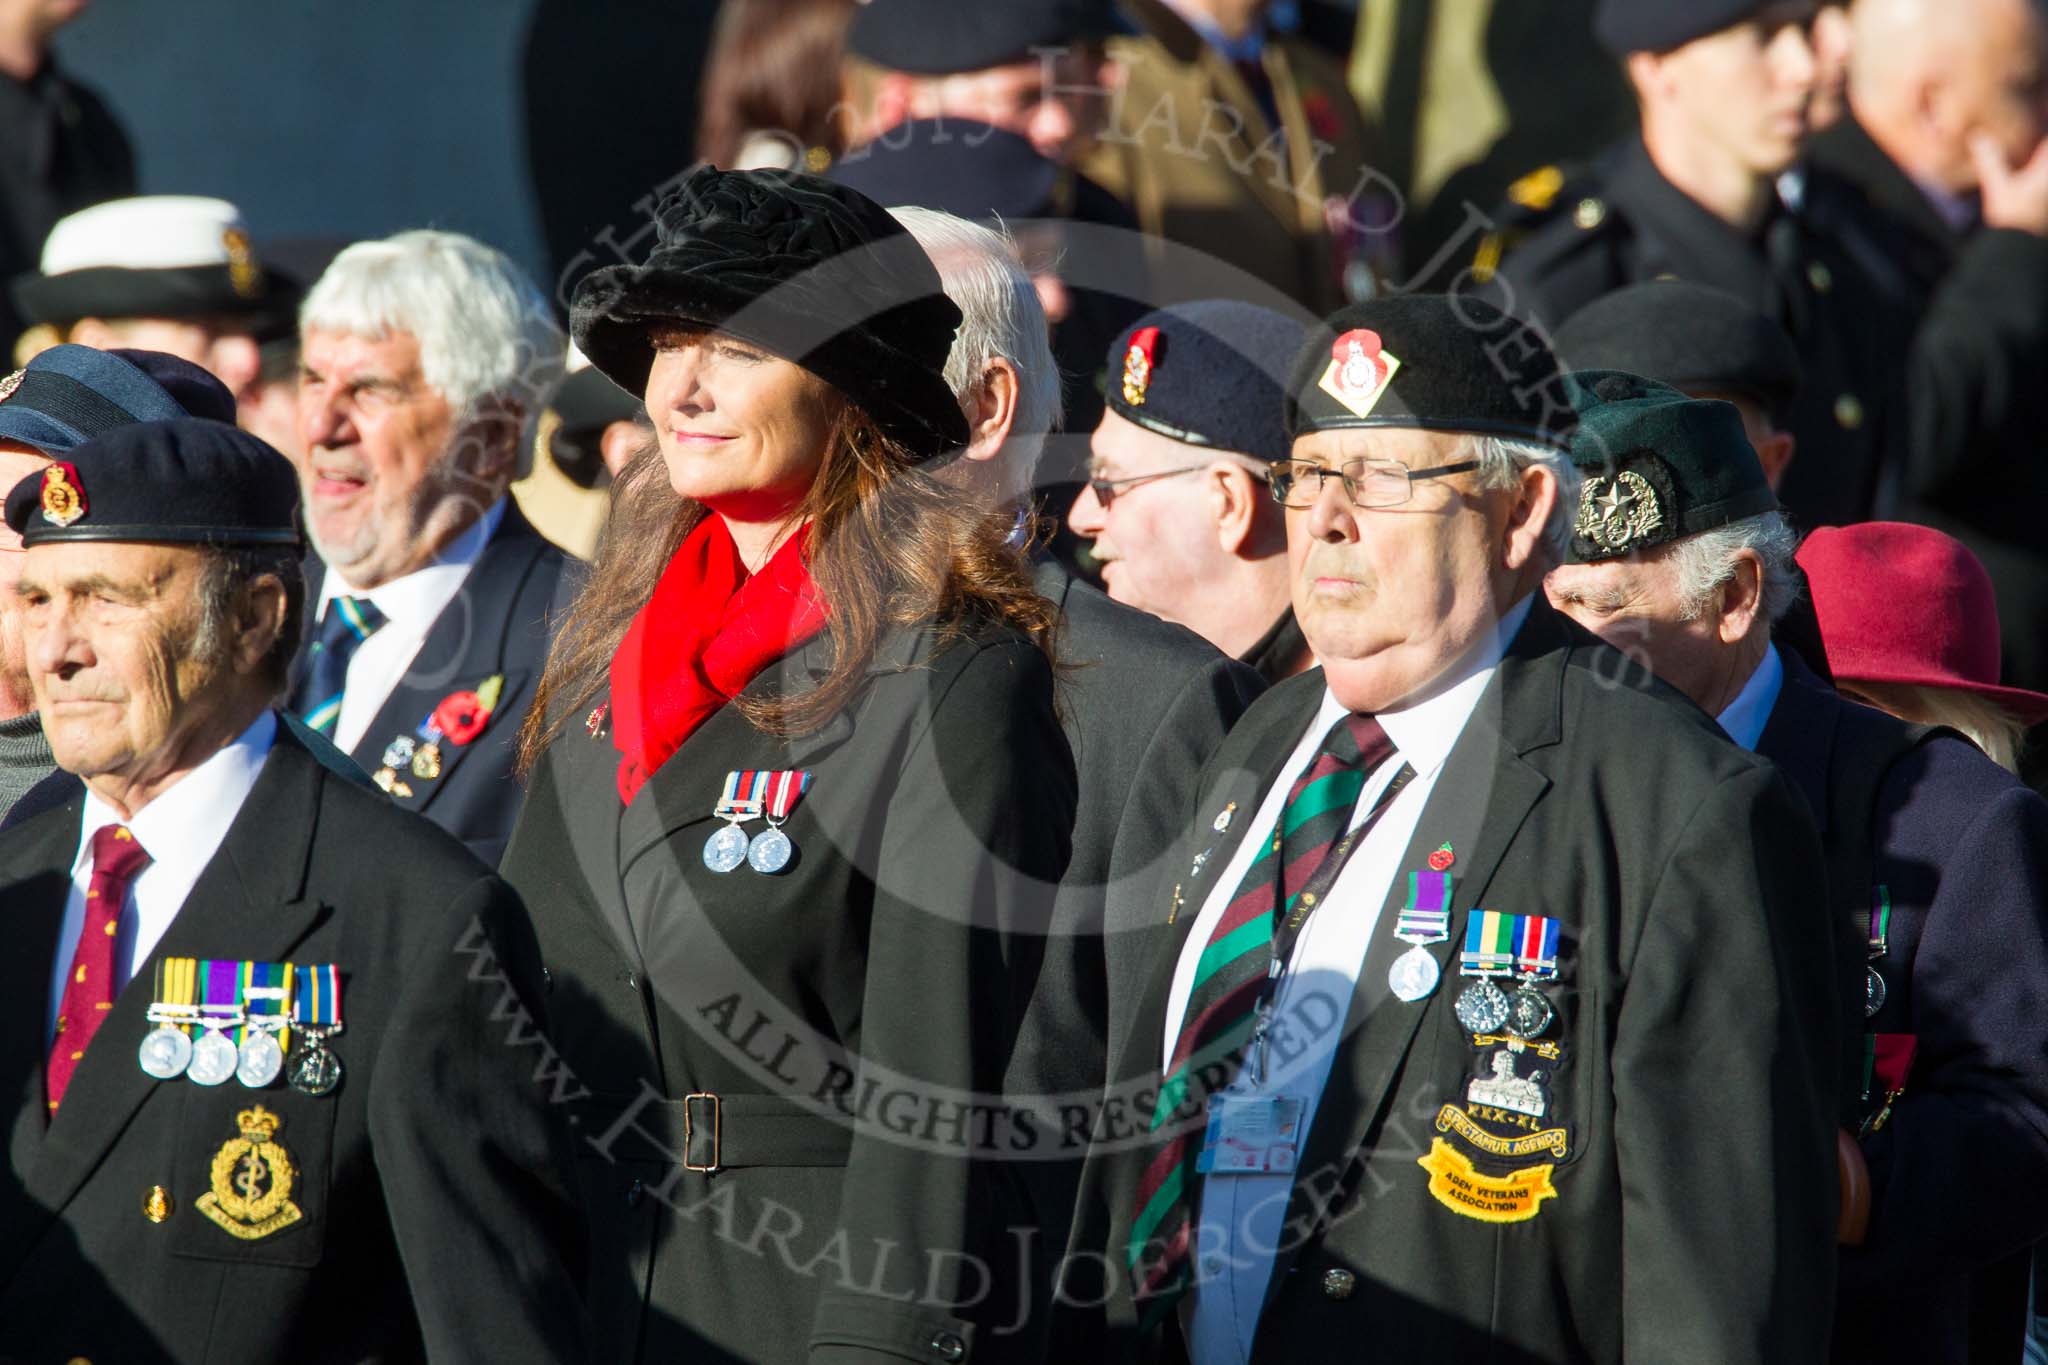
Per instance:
x=462, y=716
x=1442, y=858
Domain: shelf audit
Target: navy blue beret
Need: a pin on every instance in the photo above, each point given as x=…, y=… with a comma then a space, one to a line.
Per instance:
x=1690, y=336
x=941, y=37
x=185, y=481
x=69, y=394
x=971, y=170
x=1625, y=26
x=1210, y=373
x=1440, y=362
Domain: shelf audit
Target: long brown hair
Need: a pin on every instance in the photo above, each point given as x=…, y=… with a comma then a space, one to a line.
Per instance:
x=891, y=545
x=773, y=67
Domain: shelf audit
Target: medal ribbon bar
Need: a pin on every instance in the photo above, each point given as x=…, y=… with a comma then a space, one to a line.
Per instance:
x=1426, y=918
x=1537, y=936
x=177, y=991
x=785, y=789
x=744, y=795
x=317, y=1000
x=1880, y=919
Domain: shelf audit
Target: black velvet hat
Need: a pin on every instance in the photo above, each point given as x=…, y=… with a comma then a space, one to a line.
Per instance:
x=1690, y=336
x=1658, y=466
x=943, y=37
x=1207, y=373
x=1440, y=362
x=815, y=272
x=185, y=481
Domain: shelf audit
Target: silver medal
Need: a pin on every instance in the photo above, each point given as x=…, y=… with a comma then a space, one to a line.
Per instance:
x=213, y=1059
x=770, y=851
x=726, y=849
x=314, y=1070
x=165, y=1053
x=1873, y=992
x=1413, y=975
x=1529, y=1014
x=1483, y=1007
x=261, y=1060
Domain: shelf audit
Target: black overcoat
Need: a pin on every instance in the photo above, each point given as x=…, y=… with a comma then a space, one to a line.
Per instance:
x=433, y=1182
x=846, y=1024
x=1694, y=1209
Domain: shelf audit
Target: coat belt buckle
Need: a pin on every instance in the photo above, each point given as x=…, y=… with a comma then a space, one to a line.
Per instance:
x=690, y=1128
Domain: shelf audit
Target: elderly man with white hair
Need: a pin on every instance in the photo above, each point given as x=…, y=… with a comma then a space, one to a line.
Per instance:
x=1937, y=870
x=426, y=360
x=1144, y=705
x=1497, y=1024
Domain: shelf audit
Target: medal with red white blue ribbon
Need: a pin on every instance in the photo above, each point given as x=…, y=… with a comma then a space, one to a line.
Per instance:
x=771, y=849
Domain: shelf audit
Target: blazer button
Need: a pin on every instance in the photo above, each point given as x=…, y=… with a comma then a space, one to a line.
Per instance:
x=1339, y=1284
x=634, y=1193
x=948, y=1347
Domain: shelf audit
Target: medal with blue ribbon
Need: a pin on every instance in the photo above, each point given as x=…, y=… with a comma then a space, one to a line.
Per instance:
x=741, y=800
x=316, y=1014
x=1536, y=940
x=1425, y=919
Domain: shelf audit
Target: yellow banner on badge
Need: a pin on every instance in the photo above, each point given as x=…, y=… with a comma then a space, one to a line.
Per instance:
x=1458, y=1186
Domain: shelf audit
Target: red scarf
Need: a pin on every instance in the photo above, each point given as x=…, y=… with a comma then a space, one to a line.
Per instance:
x=707, y=631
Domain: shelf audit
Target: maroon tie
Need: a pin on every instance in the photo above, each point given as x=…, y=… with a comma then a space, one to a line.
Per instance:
x=94, y=981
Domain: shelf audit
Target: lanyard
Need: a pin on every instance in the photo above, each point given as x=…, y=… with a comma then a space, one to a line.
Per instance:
x=1288, y=924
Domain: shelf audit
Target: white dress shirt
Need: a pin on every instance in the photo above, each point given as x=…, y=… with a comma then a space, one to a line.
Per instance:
x=181, y=829
x=1745, y=717
x=410, y=605
x=1240, y=1217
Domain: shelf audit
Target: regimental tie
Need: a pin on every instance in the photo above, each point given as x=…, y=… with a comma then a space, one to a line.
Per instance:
x=349, y=621
x=93, y=980
x=1290, y=874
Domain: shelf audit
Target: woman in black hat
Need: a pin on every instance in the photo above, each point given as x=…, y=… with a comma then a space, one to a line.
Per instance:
x=797, y=796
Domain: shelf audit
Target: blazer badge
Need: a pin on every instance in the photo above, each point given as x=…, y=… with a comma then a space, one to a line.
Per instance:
x=252, y=1175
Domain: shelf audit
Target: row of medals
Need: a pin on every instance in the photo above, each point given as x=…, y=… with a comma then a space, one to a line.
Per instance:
x=767, y=852
x=169, y=1052
x=1482, y=1006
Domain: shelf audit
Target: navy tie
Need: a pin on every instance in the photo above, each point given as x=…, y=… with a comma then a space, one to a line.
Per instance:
x=349, y=622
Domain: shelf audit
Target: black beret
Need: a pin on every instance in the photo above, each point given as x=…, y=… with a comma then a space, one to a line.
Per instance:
x=960, y=167
x=185, y=481
x=1208, y=373
x=1690, y=336
x=1442, y=362
x=813, y=271
x=1658, y=466
x=941, y=37
x=1625, y=26
x=69, y=394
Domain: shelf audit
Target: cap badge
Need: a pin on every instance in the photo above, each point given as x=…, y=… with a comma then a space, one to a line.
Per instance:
x=1617, y=511
x=1359, y=371
x=244, y=275
x=9, y=384
x=63, y=498
x=1138, y=362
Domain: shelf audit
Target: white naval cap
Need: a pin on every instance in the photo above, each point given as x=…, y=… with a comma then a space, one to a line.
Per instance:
x=161, y=255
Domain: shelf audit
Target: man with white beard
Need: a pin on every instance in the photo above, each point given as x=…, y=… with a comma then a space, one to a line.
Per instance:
x=426, y=359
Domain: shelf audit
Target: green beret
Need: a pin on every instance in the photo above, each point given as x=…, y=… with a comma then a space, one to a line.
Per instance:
x=1658, y=466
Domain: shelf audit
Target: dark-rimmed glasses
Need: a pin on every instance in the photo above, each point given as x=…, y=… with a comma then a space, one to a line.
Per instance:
x=1368, y=483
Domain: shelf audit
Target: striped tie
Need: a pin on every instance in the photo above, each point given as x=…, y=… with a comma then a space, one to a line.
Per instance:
x=1223, y=1004
x=349, y=621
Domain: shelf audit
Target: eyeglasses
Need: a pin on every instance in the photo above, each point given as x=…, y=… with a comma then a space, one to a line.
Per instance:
x=1368, y=483
x=1105, y=490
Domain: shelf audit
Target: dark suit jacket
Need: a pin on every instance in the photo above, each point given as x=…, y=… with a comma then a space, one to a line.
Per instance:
x=1982, y=295
x=432, y=1183
x=500, y=622
x=1694, y=1212
x=1143, y=703
x=1959, y=1173
x=855, y=1014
